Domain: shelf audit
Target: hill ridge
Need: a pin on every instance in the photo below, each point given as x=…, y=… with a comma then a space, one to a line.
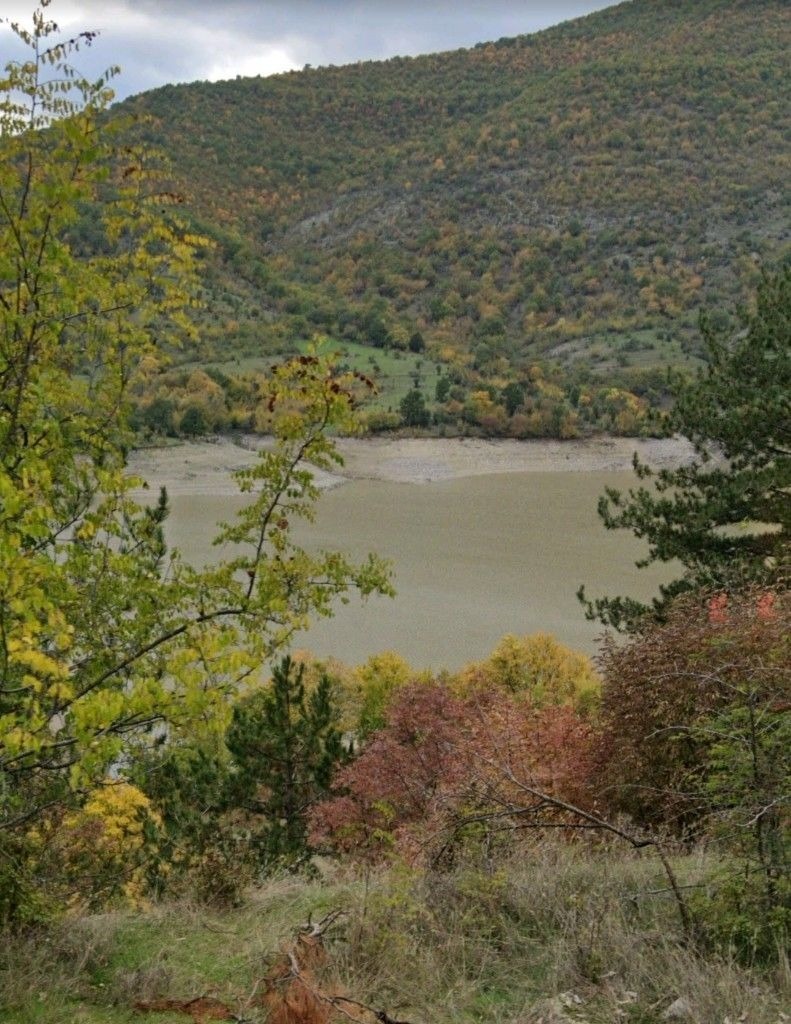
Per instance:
x=571, y=198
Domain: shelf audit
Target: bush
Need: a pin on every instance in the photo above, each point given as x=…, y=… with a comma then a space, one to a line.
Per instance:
x=697, y=737
x=193, y=422
x=95, y=855
x=446, y=771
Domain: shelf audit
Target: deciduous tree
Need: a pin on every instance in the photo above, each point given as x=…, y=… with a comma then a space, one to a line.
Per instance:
x=103, y=632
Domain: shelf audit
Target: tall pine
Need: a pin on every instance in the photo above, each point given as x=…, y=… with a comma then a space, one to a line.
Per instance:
x=284, y=743
x=726, y=516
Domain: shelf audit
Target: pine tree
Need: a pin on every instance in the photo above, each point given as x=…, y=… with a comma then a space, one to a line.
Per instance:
x=285, y=744
x=413, y=409
x=726, y=516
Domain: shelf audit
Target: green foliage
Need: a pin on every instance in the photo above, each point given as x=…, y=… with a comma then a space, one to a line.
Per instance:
x=747, y=787
x=157, y=417
x=103, y=633
x=285, y=744
x=379, y=681
x=513, y=395
x=193, y=422
x=733, y=916
x=413, y=409
x=442, y=389
x=201, y=850
x=232, y=807
x=725, y=517
x=22, y=902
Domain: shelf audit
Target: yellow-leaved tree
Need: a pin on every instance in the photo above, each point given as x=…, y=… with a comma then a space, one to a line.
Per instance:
x=103, y=631
x=538, y=667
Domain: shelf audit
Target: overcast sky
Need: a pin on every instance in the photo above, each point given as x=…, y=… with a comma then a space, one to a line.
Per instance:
x=159, y=41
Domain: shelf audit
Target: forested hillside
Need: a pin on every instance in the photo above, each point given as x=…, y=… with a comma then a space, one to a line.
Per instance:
x=573, y=197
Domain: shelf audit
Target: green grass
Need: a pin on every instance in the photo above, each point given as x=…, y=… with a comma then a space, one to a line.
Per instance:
x=392, y=370
x=550, y=931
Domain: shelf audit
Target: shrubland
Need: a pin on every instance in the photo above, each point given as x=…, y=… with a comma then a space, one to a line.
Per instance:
x=553, y=931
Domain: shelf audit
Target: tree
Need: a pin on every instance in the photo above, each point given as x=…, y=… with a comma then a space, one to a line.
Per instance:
x=413, y=409
x=103, y=632
x=513, y=395
x=442, y=389
x=536, y=667
x=158, y=415
x=285, y=744
x=726, y=516
x=193, y=421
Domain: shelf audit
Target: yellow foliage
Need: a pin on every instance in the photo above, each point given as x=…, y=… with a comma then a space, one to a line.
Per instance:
x=106, y=841
x=537, y=666
x=122, y=810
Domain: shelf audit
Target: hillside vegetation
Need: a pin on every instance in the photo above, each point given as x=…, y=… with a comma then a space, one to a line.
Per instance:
x=572, y=198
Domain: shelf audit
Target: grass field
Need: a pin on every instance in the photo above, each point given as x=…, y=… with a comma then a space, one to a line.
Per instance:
x=393, y=371
x=556, y=933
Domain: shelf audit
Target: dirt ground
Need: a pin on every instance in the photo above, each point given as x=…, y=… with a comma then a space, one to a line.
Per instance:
x=206, y=466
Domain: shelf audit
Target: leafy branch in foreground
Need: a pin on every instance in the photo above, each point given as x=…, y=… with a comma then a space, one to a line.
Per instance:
x=103, y=632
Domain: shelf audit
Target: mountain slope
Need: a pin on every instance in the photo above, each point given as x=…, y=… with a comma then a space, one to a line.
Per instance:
x=576, y=195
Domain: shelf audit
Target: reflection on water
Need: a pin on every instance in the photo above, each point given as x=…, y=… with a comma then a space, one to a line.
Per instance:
x=474, y=558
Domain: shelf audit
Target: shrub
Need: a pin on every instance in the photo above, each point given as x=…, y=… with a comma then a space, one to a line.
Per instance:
x=447, y=770
x=697, y=736
x=98, y=853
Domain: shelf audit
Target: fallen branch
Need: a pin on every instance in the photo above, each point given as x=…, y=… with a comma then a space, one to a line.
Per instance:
x=202, y=1009
x=294, y=995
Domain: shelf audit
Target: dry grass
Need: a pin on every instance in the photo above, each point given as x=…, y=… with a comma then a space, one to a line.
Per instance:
x=553, y=932
x=550, y=932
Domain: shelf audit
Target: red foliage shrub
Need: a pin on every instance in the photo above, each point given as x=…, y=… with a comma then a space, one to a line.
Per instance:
x=714, y=652
x=443, y=764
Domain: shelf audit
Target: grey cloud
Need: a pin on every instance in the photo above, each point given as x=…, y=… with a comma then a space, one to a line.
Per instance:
x=159, y=41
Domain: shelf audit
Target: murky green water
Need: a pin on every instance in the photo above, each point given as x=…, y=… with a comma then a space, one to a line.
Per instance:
x=475, y=558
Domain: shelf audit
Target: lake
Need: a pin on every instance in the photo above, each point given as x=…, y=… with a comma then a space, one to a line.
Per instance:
x=475, y=558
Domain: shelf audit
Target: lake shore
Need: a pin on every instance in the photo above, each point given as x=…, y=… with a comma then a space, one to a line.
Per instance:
x=206, y=466
x=424, y=460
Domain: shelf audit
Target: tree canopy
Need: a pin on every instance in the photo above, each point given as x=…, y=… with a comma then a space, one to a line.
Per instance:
x=726, y=516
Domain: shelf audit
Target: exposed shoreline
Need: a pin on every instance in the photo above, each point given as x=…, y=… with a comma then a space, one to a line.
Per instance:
x=200, y=467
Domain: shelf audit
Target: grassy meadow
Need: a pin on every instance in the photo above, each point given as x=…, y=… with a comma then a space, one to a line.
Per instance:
x=548, y=932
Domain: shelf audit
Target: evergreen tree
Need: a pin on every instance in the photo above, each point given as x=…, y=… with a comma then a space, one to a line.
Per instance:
x=726, y=516
x=285, y=744
x=413, y=409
